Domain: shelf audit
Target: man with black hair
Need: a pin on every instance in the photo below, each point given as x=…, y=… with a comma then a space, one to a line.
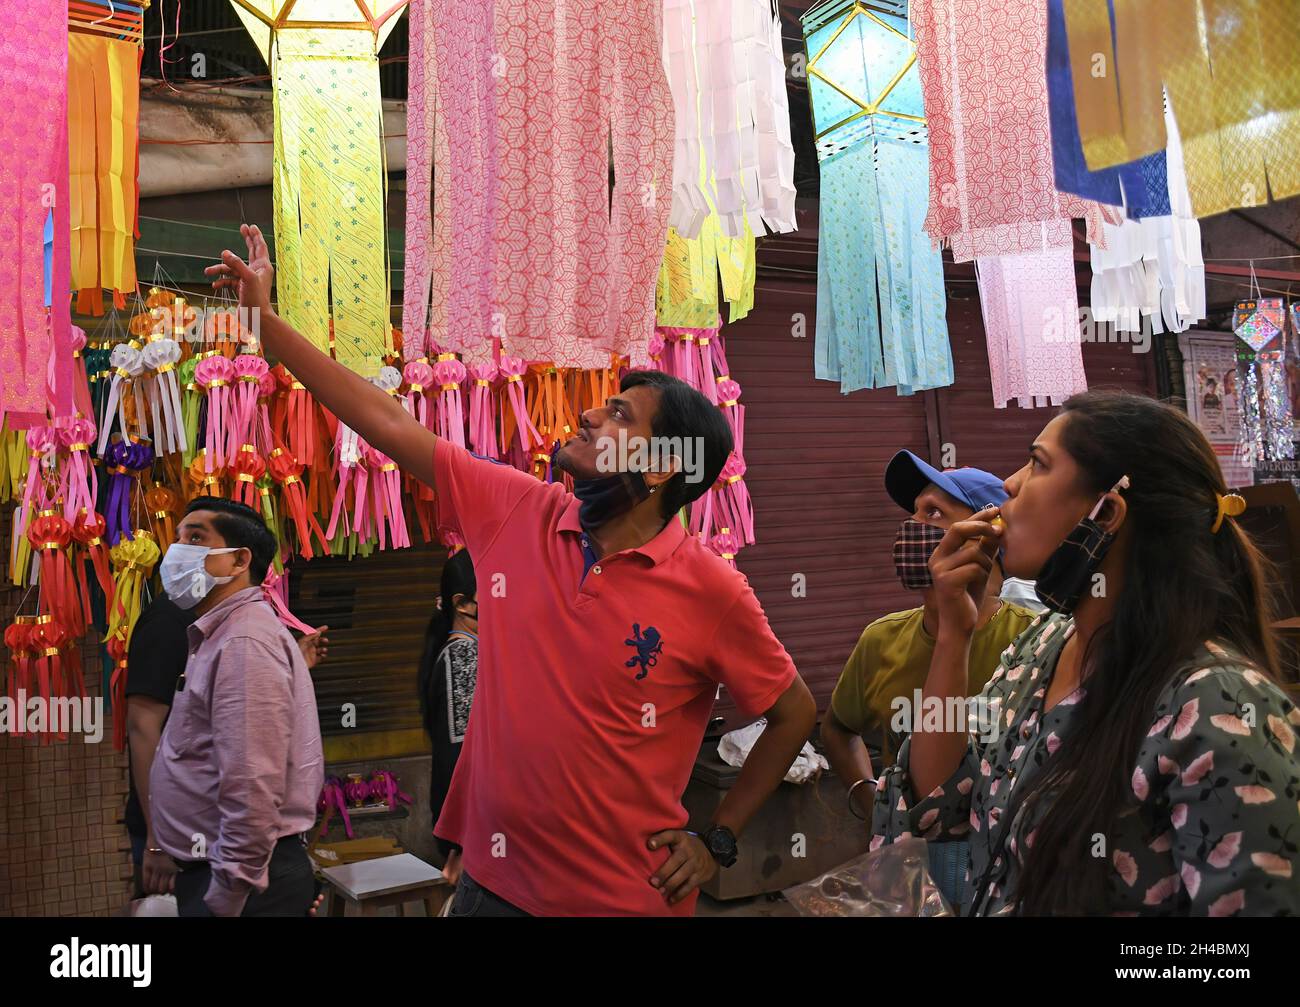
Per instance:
x=156, y=661
x=239, y=768
x=605, y=631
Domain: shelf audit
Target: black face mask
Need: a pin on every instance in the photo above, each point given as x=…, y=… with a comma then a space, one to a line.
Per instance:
x=606, y=497
x=1068, y=571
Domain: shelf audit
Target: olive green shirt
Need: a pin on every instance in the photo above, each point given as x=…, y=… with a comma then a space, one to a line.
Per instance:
x=892, y=659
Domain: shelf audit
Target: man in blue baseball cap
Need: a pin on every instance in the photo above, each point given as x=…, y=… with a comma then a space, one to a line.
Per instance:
x=889, y=664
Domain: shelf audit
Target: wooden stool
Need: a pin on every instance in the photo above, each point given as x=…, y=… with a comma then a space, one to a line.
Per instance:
x=363, y=888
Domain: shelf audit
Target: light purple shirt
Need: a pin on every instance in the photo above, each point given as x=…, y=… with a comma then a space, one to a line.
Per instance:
x=240, y=764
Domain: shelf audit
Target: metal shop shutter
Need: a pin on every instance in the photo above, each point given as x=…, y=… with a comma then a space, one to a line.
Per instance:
x=998, y=439
x=376, y=608
x=815, y=461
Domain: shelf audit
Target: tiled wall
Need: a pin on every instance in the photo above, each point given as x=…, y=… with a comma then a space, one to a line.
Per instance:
x=63, y=851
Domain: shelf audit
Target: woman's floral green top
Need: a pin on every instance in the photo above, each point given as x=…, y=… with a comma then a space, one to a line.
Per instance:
x=1216, y=788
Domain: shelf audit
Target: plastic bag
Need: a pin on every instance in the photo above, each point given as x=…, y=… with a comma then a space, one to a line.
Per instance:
x=154, y=905
x=734, y=748
x=891, y=881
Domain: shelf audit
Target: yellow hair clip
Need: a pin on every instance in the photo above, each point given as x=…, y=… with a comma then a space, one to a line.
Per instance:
x=1230, y=505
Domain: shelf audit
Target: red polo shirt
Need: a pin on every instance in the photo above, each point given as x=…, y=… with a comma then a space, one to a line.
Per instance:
x=593, y=693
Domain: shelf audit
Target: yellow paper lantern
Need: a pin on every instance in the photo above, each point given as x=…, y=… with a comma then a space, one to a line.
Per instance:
x=329, y=179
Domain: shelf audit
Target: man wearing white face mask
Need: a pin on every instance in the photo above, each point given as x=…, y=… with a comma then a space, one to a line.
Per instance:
x=239, y=768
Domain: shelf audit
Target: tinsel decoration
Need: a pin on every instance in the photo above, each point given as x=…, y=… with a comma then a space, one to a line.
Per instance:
x=1266, y=418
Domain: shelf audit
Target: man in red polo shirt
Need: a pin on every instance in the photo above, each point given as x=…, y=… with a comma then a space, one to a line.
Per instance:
x=605, y=631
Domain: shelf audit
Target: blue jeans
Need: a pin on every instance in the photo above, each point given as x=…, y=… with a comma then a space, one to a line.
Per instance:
x=472, y=899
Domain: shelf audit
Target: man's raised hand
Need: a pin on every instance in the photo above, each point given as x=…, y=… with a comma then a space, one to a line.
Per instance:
x=250, y=280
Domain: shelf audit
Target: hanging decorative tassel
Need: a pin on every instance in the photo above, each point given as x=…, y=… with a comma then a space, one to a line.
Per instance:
x=161, y=357
x=191, y=406
x=214, y=375
x=419, y=378
x=704, y=344
x=18, y=640
x=248, y=467
x=124, y=461
x=387, y=487
x=117, y=650
x=72, y=666
x=362, y=513
x=103, y=137
x=42, y=445
x=47, y=640
x=729, y=403
x=226, y=332
x=55, y=648
x=127, y=364
x=202, y=481
x=50, y=535
x=482, y=413
x=288, y=473
x=80, y=484
x=90, y=531
x=700, y=520
x=20, y=550
x=512, y=369
x=13, y=459
x=299, y=420
x=275, y=589
x=163, y=506
x=266, y=389
x=265, y=486
x=81, y=400
x=241, y=425
x=724, y=544
x=448, y=373
x=347, y=454
x=133, y=562
x=734, y=499
x=1266, y=434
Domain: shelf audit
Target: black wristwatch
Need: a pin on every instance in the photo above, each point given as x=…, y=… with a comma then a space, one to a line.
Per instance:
x=721, y=843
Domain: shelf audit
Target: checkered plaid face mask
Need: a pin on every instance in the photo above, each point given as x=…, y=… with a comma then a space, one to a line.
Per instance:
x=1068, y=571
x=915, y=543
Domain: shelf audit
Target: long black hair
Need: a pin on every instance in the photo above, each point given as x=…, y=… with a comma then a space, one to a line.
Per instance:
x=1182, y=585
x=685, y=412
x=457, y=578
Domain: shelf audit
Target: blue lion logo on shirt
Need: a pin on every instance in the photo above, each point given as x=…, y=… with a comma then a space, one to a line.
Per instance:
x=648, y=648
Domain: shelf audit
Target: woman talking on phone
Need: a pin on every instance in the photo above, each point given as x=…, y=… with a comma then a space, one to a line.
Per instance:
x=1136, y=755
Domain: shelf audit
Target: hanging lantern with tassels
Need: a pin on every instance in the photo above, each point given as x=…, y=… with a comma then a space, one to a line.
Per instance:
x=1266, y=424
x=89, y=531
x=21, y=685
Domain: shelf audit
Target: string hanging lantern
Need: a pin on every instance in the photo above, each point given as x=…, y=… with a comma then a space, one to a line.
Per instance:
x=881, y=315
x=331, y=266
